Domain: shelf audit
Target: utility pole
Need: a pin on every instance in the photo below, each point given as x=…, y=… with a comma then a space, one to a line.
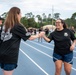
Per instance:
x=52, y=16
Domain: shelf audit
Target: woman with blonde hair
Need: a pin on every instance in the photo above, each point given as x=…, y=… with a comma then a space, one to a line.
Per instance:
x=11, y=35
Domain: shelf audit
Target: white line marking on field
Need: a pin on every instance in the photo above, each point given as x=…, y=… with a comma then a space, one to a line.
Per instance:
x=43, y=52
x=34, y=62
x=74, y=69
x=38, y=50
x=41, y=45
x=74, y=57
x=74, y=51
x=52, y=44
x=46, y=46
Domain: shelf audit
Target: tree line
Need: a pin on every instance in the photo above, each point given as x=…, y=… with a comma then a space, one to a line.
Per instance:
x=29, y=20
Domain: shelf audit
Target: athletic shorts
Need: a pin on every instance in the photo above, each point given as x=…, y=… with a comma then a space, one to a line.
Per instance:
x=65, y=58
x=8, y=67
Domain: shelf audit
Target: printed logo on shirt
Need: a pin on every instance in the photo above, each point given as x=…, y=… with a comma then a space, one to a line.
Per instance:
x=28, y=34
x=65, y=34
x=6, y=35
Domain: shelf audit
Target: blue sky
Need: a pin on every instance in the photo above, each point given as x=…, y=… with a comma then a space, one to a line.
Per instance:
x=65, y=7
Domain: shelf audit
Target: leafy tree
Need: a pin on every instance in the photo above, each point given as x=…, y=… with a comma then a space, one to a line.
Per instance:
x=24, y=21
x=49, y=18
x=39, y=20
x=4, y=15
x=31, y=22
x=29, y=15
x=56, y=15
x=73, y=16
x=71, y=21
x=44, y=17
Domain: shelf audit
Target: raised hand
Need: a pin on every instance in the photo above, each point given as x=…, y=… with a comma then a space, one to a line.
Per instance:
x=42, y=34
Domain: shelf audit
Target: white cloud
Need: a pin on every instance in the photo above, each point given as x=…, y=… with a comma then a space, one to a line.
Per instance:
x=65, y=7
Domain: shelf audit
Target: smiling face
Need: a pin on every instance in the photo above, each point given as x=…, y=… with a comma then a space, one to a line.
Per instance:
x=59, y=25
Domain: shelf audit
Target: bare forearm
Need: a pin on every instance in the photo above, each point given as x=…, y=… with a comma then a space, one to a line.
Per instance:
x=72, y=47
x=46, y=39
x=74, y=42
x=32, y=37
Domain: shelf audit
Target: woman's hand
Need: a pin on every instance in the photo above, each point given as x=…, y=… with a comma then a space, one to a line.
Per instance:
x=42, y=34
x=72, y=47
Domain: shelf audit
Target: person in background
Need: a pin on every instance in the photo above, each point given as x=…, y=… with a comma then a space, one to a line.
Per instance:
x=12, y=33
x=72, y=29
x=63, y=48
x=40, y=38
x=1, y=21
x=46, y=31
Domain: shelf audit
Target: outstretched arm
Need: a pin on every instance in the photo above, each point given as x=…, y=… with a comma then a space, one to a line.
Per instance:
x=32, y=37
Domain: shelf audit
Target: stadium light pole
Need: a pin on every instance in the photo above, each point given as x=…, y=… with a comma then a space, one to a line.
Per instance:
x=52, y=15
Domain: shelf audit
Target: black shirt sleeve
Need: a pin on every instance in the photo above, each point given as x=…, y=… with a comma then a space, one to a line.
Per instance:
x=72, y=36
x=21, y=32
x=50, y=37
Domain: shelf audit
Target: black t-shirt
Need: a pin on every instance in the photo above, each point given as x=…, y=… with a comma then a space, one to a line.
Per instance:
x=0, y=33
x=9, y=48
x=62, y=40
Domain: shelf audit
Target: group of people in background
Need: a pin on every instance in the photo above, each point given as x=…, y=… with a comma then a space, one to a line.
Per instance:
x=13, y=31
x=73, y=30
x=35, y=31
